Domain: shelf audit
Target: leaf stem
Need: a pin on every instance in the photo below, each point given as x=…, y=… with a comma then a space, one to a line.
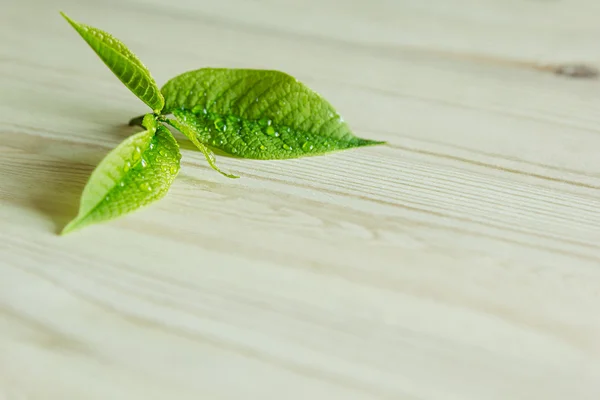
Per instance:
x=208, y=154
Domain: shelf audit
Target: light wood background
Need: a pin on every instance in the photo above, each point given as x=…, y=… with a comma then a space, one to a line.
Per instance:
x=461, y=262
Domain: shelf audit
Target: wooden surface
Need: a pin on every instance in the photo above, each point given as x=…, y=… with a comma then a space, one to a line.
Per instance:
x=461, y=262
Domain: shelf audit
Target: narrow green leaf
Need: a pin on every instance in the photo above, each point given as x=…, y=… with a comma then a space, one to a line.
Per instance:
x=258, y=114
x=187, y=127
x=122, y=62
x=137, y=172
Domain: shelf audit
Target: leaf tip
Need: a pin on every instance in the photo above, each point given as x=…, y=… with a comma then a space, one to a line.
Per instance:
x=70, y=227
x=370, y=142
x=69, y=20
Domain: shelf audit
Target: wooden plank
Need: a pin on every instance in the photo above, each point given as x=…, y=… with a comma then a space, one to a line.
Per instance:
x=459, y=262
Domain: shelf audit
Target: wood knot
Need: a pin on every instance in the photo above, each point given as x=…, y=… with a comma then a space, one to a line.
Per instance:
x=577, y=71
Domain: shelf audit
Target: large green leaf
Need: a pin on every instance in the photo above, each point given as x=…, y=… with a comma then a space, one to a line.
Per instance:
x=259, y=114
x=137, y=172
x=122, y=62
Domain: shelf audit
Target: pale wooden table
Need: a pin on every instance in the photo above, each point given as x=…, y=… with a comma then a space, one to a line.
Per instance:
x=461, y=262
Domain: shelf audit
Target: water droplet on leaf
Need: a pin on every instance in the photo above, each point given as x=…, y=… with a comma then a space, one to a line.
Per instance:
x=262, y=147
x=307, y=146
x=220, y=124
x=270, y=131
x=287, y=147
x=145, y=186
x=173, y=169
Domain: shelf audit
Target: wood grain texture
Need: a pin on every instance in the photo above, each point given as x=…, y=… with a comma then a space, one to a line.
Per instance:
x=461, y=262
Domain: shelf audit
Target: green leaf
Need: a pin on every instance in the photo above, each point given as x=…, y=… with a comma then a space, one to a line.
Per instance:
x=187, y=127
x=258, y=114
x=137, y=172
x=122, y=62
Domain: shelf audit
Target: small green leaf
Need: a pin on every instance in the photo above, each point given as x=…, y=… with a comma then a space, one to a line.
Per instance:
x=137, y=172
x=187, y=127
x=122, y=62
x=258, y=114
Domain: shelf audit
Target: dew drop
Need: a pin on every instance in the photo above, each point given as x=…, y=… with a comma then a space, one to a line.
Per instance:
x=145, y=186
x=234, y=150
x=137, y=153
x=107, y=198
x=264, y=122
x=220, y=124
x=152, y=145
x=198, y=109
x=271, y=131
x=162, y=152
x=231, y=120
x=307, y=146
x=221, y=141
x=127, y=166
x=287, y=147
x=262, y=147
x=144, y=163
x=122, y=184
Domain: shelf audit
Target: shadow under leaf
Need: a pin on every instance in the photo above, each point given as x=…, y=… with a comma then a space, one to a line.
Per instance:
x=59, y=194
